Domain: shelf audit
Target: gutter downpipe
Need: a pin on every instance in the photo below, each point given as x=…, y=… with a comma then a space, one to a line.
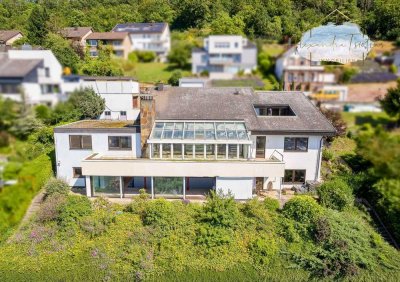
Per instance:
x=319, y=160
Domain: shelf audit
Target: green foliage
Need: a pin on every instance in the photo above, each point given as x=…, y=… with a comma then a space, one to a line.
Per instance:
x=74, y=208
x=11, y=170
x=145, y=56
x=37, y=25
x=180, y=54
x=347, y=74
x=24, y=126
x=271, y=204
x=263, y=249
x=220, y=210
x=87, y=103
x=174, y=79
x=63, y=51
x=4, y=139
x=393, y=68
x=50, y=209
x=303, y=209
x=103, y=65
x=265, y=63
x=391, y=102
x=132, y=57
x=159, y=212
x=56, y=186
x=42, y=112
x=224, y=24
x=210, y=237
x=335, y=194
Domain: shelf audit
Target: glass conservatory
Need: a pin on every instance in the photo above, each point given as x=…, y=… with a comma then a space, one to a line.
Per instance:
x=210, y=140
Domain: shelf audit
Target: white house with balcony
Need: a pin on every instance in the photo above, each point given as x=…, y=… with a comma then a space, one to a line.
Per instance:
x=155, y=37
x=188, y=141
x=36, y=73
x=224, y=56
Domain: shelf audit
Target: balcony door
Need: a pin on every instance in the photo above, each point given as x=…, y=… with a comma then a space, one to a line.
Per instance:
x=260, y=147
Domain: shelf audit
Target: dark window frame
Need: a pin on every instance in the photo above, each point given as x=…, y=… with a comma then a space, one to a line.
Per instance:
x=274, y=111
x=293, y=176
x=77, y=175
x=258, y=150
x=119, y=148
x=81, y=147
x=296, y=140
x=107, y=113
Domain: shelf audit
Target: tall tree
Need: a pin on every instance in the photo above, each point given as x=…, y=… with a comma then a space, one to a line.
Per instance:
x=391, y=102
x=37, y=25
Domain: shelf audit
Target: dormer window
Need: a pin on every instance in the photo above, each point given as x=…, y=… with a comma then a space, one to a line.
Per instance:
x=274, y=110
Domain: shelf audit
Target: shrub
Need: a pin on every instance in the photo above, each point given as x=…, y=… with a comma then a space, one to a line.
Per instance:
x=322, y=230
x=213, y=236
x=132, y=57
x=73, y=209
x=56, y=186
x=303, y=209
x=335, y=194
x=174, y=79
x=286, y=229
x=220, y=210
x=271, y=204
x=158, y=213
x=263, y=249
x=145, y=56
x=11, y=170
x=49, y=210
x=327, y=155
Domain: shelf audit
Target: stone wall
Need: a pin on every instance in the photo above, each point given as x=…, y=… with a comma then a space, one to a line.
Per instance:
x=147, y=116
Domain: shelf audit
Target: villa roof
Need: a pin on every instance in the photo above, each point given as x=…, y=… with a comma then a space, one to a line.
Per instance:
x=75, y=32
x=141, y=27
x=99, y=126
x=229, y=103
x=6, y=35
x=107, y=36
x=17, y=68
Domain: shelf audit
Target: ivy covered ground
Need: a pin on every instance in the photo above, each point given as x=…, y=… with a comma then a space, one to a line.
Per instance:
x=74, y=239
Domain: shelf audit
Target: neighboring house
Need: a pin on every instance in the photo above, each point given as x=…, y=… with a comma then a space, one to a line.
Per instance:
x=188, y=141
x=8, y=37
x=121, y=94
x=36, y=73
x=77, y=34
x=119, y=41
x=153, y=37
x=193, y=82
x=298, y=73
x=224, y=56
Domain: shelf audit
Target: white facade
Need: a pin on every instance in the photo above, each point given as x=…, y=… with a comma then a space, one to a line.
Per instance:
x=240, y=187
x=67, y=159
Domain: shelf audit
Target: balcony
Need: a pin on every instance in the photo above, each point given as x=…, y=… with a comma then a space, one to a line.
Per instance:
x=224, y=59
x=102, y=165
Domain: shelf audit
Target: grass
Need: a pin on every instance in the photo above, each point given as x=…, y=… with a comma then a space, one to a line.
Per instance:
x=274, y=49
x=356, y=120
x=152, y=72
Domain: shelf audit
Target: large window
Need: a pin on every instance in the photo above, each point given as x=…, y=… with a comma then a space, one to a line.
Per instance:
x=232, y=151
x=80, y=142
x=119, y=143
x=199, y=151
x=260, y=146
x=221, y=151
x=168, y=186
x=77, y=172
x=274, y=110
x=177, y=151
x=108, y=186
x=296, y=144
x=166, y=151
x=210, y=151
x=295, y=176
x=155, y=151
x=188, y=149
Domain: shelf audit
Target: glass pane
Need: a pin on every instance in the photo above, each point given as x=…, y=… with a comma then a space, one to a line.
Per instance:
x=113, y=142
x=232, y=135
x=232, y=151
x=177, y=151
x=300, y=176
x=290, y=144
x=157, y=134
x=167, y=134
x=302, y=144
x=240, y=126
x=178, y=131
x=288, y=178
x=168, y=187
x=260, y=146
x=242, y=135
x=126, y=142
x=168, y=126
x=199, y=130
x=243, y=151
x=210, y=151
x=189, y=130
x=166, y=151
x=155, y=151
x=188, y=151
x=86, y=142
x=107, y=186
x=199, y=151
x=75, y=142
x=221, y=151
x=159, y=125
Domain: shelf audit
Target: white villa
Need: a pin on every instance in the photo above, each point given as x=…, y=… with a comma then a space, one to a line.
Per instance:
x=186, y=141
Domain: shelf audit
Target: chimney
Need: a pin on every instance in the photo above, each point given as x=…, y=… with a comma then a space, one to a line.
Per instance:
x=147, y=116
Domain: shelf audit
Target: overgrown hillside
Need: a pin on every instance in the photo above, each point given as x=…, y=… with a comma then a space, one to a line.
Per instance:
x=72, y=239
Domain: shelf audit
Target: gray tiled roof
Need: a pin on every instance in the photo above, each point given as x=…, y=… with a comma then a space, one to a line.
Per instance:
x=6, y=35
x=228, y=103
x=107, y=36
x=75, y=32
x=141, y=27
x=17, y=67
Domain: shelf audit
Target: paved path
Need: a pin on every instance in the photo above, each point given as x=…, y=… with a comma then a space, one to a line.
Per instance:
x=33, y=207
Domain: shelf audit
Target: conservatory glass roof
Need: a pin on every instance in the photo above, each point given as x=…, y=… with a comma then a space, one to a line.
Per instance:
x=195, y=130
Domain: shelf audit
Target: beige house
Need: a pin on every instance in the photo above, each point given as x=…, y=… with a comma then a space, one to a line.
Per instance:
x=8, y=37
x=119, y=41
x=77, y=34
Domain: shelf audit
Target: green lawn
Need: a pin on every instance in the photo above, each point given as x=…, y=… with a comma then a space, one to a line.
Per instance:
x=153, y=72
x=356, y=120
x=274, y=49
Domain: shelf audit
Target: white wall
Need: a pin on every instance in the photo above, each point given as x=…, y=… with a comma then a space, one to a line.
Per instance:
x=66, y=159
x=240, y=187
x=309, y=160
x=231, y=39
x=115, y=103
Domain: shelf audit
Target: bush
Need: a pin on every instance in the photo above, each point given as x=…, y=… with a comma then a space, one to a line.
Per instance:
x=56, y=186
x=213, y=236
x=335, y=194
x=263, y=249
x=220, y=210
x=145, y=56
x=327, y=155
x=11, y=170
x=271, y=204
x=174, y=79
x=303, y=209
x=132, y=57
x=159, y=213
x=73, y=209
